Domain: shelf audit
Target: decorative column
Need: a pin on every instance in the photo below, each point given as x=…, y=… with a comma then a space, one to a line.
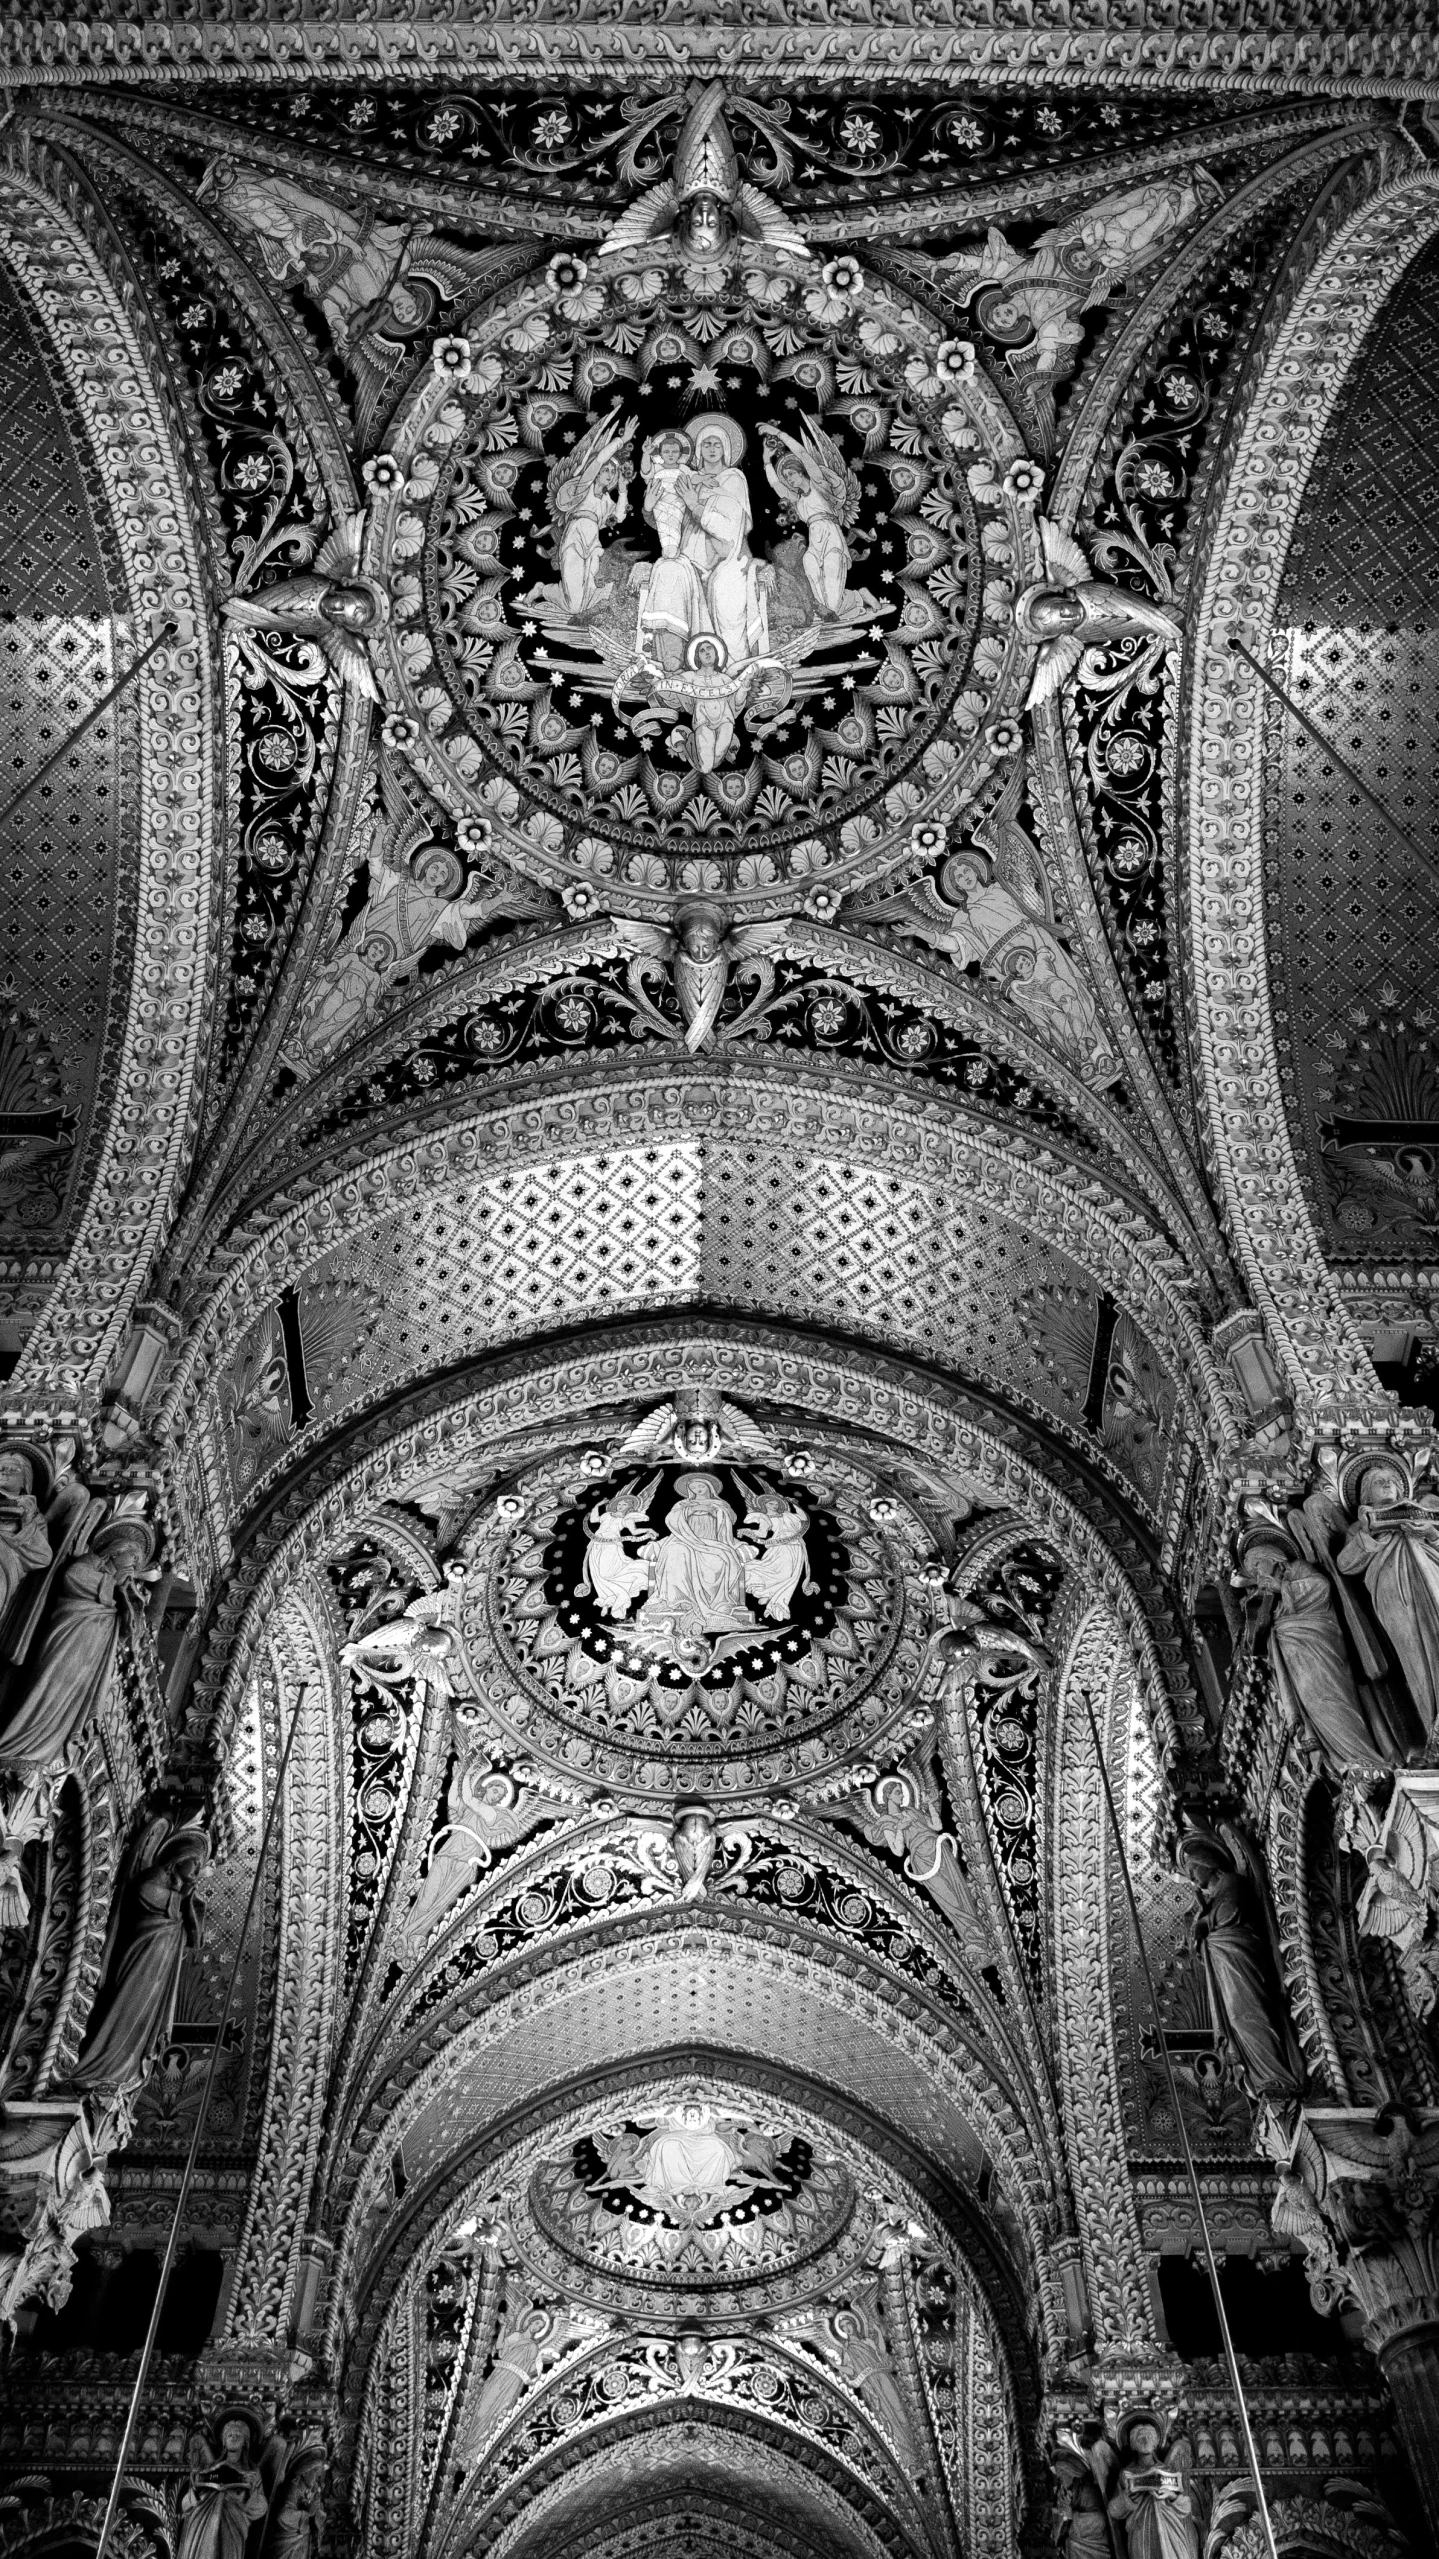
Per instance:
x=1362, y=2192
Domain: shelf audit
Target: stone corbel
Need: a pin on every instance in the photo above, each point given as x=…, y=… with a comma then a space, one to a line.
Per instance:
x=52, y=2190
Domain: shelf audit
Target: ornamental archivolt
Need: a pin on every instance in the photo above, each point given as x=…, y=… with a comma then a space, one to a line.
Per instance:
x=689, y=569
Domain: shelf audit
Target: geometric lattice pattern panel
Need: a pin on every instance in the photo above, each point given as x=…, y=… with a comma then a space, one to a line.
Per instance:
x=799, y=1237
x=712, y=1996
x=59, y=852
x=1353, y=907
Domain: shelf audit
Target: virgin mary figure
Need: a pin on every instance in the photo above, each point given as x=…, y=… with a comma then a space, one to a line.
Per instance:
x=697, y=1569
x=713, y=582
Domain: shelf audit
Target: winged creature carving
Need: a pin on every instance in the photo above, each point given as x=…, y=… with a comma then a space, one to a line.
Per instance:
x=700, y=950
x=419, y=1644
x=697, y=1426
x=1070, y=610
x=331, y=604
x=704, y=203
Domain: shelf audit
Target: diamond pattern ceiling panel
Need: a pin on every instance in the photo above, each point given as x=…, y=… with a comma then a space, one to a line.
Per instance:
x=1352, y=898
x=809, y=1239
x=715, y=1996
x=60, y=850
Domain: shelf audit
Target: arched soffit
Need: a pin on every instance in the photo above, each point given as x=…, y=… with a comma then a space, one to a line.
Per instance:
x=1357, y=645
x=107, y=1049
x=860, y=2181
x=684, y=2503
x=690, y=1993
x=1238, y=972
x=685, y=1189
x=511, y=1012
x=676, y=2491
x=793, y=2476
x=463, y=1434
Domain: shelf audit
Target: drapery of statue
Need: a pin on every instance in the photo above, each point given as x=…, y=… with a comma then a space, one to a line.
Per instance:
x=158, y=1913
x=62, y=1626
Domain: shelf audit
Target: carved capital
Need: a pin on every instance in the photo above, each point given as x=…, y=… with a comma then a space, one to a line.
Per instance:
x=1361, y=2191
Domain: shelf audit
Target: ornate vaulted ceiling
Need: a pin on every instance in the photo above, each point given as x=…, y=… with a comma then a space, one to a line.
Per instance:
x=695, y=1086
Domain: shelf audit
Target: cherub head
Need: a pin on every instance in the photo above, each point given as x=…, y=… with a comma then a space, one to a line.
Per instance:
x=708, y=226
x=1052, y=611
x=706, y=654
x=349, y=607
x=701, y=926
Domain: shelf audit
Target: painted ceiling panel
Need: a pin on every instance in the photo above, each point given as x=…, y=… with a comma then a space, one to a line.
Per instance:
x=1352, y=885
x=61, y=849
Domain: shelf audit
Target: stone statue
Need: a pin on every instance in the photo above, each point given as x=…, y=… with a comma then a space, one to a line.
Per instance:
x=1232, y=1934
x=1310, y=1660
x=69, y=1674
x=158, y=1915
x=290, y=2531
x=24, y=1538
x=1154, y=2500
x=226, y=2494
x=1084, y=2464
x=1395, y=1545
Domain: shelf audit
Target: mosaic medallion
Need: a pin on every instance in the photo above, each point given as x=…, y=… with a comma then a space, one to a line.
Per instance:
x=674, y=1627
x=678, y=2205
x=689, y=591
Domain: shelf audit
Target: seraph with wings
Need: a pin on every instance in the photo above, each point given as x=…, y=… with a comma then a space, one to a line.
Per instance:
x=1071, y=611
x=332, y=605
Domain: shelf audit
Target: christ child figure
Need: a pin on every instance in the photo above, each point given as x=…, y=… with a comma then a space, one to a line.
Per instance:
x=666, y=458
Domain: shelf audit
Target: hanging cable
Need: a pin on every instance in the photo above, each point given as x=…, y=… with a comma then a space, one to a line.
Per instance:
x=117, y=688
x=1236, y=2384
x=193, y=2153
x=1272, y=684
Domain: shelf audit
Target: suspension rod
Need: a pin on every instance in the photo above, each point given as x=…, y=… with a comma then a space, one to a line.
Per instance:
x=1236, y=2384
x=117, y=688
x=193, y=2153
x=1272, y=685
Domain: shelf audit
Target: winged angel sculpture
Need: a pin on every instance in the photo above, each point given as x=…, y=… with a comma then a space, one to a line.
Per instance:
x=705, y=635
x=1072, y=611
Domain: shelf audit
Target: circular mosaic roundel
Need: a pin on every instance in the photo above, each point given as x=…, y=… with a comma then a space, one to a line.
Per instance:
x=681, y=1628
x=681, y=2207
x=689, y=591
